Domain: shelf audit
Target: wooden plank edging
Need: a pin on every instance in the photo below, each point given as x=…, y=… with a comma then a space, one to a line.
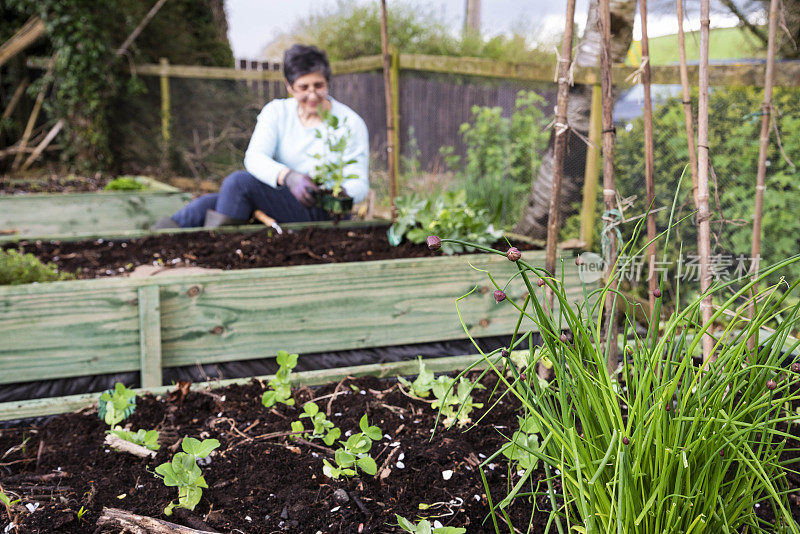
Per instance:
x=68, y=403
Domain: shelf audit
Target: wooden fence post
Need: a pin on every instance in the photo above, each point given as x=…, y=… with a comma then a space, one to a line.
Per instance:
x=166, y=117
x=394, y=78
x=150, y=336
x=592, y=172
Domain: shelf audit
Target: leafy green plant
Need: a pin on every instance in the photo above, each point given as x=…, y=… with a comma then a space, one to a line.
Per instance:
x=424, y=527
x=116, y=405
x=125, y=183
x=282, y=384
x=7, y=501
x=17, y=268
x=502, y=156
x=80, y=513
x=523, y=444
x=454, y=399
x=422, y=384
x=184, y=473
x=448, y=214
x=659, y=443
x=354, y=453
x=330, y=170
x=142, y=437
x=323, y=429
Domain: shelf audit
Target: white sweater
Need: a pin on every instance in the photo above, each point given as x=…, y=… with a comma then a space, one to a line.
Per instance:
x=280, y=141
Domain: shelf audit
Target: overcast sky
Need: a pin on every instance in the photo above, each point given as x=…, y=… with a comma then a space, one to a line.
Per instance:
x=254, y=23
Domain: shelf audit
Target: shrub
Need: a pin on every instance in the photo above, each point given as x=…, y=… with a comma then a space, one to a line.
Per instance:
x=17, y=268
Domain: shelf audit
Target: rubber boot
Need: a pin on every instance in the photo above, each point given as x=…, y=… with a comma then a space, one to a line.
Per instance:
x=164, y=223
x=215, y=219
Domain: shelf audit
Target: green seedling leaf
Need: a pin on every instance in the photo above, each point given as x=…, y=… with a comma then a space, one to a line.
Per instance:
x=367, y=464
x=311, y=409
x=5, y=499
x=330, y=471
x=344, y=458
x=332, y=436
x=200, y=449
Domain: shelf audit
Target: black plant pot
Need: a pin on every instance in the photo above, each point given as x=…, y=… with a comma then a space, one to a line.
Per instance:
x=335, y=205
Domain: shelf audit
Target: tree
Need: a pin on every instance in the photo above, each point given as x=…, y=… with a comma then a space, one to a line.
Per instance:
x=534, y=217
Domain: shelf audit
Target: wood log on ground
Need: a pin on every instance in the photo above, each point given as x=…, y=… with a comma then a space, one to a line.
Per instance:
x=120, y=444
x=22, y=39
x=115, y=519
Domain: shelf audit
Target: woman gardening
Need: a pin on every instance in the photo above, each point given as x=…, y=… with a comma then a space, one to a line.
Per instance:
x=280, y=158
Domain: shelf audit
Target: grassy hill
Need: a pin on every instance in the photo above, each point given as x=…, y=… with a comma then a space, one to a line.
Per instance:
x=724, y=43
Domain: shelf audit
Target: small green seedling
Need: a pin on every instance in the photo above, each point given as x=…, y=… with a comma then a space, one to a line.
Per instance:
x=323, y=428
x=142, y=437
x=330, y=171
x=422, y=385
x=281, y=385
x=81, y=512
x=116, y=404
x=184, y=473
x=6, y=500
x=424, y=527
x=354, y=453
x=454, y=402
x=523, y=442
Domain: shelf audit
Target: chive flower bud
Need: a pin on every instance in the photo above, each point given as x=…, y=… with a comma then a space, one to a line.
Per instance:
x=513, y=254
x=504, y=353
x=668, y=407
x=578, y=260
x=499, y=296
x=657, y=293
x=771, y=384
x=625, y=440
x=796, y=367
x=722, y=452
x=434, y=243
x=563, y=338
x=540, y=282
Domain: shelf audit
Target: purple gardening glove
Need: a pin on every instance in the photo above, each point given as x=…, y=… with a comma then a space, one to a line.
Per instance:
x=302, y=187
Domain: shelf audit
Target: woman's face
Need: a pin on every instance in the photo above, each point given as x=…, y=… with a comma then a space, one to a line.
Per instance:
x=310, y=90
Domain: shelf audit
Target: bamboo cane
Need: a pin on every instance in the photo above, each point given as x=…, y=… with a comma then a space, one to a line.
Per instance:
x=687, y=102
x=648, y=157
x=560, y=147
x=766, y=115
x=391, y=133
x=704, y=211
x=609, y=192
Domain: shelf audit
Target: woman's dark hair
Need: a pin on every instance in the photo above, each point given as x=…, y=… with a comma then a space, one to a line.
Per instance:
x=300, y=60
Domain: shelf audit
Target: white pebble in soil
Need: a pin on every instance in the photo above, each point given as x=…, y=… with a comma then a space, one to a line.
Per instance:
x=447, y=474
x=400, y=465
x=401, y=456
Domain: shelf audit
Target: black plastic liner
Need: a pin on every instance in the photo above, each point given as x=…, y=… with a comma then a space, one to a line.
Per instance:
x=263, y=366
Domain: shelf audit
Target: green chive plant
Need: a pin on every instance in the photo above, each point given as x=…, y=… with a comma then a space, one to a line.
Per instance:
x=662, y=443
x=184, y=473
x=282, y=384
x=354, y=453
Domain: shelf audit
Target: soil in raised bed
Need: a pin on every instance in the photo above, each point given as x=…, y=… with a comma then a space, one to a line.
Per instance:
x=53, y=184
x=222, y=250
x=262, y=483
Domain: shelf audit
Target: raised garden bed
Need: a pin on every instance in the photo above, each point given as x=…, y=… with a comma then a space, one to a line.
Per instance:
x=260, y=482
x=94, y=327
x=70, y=213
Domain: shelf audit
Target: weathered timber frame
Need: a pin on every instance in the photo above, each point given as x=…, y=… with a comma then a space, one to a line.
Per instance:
x=92, y=327
x=34, y=214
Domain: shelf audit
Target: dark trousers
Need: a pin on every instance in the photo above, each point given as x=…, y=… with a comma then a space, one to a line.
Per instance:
x=240, y=195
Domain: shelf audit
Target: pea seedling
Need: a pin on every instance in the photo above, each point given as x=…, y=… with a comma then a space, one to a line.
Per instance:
x=116, y=405
x=455, y=403
x=184, y=473
x=354, y=453
x=281, y=385
x=422, y=385
x=323, y=428
x=424, y=527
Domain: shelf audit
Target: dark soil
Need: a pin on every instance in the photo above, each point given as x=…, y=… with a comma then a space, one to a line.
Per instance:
x=263, y=484
x=221, y=250
x=53, y=184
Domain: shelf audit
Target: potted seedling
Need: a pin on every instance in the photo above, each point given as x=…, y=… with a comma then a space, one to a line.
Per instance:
x=329, y=173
